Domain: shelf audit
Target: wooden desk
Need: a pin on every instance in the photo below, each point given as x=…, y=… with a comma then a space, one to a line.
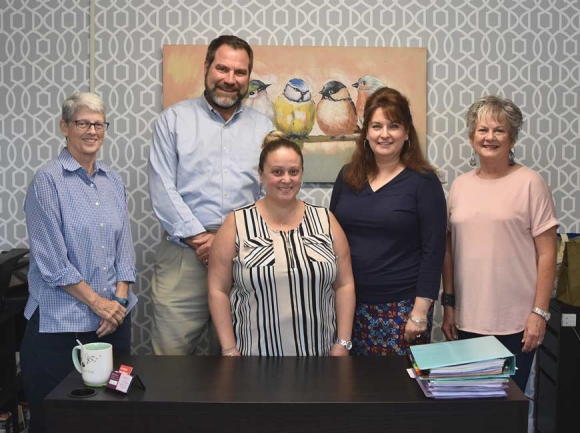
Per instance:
x=226, y=394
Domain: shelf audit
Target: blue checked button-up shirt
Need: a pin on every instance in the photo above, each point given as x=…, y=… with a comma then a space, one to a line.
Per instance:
x=79, y=230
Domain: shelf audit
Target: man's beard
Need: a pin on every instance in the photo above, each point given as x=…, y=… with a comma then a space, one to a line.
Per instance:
x=225, y=101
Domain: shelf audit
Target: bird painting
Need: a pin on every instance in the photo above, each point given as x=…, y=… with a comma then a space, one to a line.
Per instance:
x=366, y=85
x=294, y=109
x=336, y=112
x=258, y=98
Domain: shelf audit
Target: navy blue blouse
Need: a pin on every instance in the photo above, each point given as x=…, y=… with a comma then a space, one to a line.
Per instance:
x=396, y=235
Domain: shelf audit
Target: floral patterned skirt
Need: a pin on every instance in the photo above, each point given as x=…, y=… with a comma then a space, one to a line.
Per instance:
x=379, y=328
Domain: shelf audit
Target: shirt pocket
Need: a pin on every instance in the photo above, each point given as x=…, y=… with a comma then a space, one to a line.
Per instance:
x=319, y=248
x=258, y=252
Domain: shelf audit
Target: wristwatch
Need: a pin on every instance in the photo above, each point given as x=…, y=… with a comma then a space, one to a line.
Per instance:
x=346, y=344
x=123, y=301
x=544, y=314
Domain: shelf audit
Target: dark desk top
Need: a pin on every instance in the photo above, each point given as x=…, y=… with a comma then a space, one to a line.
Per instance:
x=316, y=386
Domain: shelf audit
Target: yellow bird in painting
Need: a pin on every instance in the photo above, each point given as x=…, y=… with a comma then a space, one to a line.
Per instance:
x=366, y=86
x=294, y=109
x=336, y=113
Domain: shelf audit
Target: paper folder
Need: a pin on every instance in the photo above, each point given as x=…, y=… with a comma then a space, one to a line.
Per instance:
x=449, y=353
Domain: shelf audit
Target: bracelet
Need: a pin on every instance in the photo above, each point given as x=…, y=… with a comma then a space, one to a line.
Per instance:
x=417, y=319
x=427, y=299
x=229, y=351
x=448, y=299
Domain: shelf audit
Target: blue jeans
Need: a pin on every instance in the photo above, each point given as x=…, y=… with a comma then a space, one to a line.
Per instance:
x=45, y=359
x=513, y=342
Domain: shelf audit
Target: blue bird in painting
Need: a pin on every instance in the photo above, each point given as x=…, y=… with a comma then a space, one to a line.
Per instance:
x=258, y=98
x=295, y=110
x=336, y=113
x=366, y=86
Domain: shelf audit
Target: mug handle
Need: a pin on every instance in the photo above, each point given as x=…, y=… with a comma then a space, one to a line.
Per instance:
x=75, y=358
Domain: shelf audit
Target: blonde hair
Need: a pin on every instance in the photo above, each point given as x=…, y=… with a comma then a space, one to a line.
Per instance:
x=499, y=109
x=274, y=140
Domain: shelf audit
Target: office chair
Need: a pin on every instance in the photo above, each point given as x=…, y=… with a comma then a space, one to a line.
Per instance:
x=13, y=280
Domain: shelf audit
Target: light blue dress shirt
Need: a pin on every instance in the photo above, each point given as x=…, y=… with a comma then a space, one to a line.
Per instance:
x=79, y=230
x=201, y=167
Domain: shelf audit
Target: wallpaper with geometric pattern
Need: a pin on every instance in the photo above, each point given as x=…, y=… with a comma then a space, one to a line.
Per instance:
x=525, y=50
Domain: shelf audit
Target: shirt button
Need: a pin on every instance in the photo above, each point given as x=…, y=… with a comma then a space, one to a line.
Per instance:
x=105, y=268
x=97, y=203
x=102, y=225
x=102, y=246
x=92, y=185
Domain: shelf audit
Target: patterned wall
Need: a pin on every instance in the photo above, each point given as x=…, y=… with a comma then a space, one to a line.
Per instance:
x=526, y=50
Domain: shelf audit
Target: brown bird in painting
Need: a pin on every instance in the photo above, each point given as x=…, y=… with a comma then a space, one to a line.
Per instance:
x=366, y=86
x=335, y=113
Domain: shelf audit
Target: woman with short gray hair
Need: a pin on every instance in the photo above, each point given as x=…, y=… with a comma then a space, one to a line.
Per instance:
x=82, y=260
x=501, y=241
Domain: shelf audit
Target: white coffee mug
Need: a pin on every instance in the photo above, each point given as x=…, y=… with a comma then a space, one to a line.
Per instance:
x=96, y=362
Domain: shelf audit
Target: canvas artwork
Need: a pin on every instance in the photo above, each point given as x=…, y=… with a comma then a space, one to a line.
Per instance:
x=315, y=95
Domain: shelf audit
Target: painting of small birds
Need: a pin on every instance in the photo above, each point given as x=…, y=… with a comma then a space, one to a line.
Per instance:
x=366, y=85
x=295, y=110
x=258, y=98
x=336, y=113
x=314, y=94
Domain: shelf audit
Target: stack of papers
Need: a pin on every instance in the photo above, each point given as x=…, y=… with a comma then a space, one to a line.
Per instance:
x=473, y=368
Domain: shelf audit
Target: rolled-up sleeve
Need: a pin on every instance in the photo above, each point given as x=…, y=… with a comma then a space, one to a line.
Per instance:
x=125, y=258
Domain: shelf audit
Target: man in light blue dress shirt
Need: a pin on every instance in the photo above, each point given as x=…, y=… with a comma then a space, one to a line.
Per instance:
x=82, y=260
x=203, y=163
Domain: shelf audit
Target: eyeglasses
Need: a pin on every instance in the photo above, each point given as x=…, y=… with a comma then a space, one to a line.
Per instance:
x=84, y=125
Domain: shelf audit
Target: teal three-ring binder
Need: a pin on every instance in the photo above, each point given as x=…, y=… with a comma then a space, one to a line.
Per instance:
x=457, y=352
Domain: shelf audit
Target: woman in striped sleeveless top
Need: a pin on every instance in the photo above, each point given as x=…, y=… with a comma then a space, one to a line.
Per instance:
x=280, y=279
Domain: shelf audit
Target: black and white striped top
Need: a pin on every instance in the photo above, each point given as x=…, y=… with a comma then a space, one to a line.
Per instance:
x=282, y=298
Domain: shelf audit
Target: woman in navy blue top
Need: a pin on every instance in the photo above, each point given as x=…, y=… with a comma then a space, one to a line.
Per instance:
x=390, y=203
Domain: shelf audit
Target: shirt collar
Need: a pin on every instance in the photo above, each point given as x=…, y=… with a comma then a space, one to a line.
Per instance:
x=71, y=164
